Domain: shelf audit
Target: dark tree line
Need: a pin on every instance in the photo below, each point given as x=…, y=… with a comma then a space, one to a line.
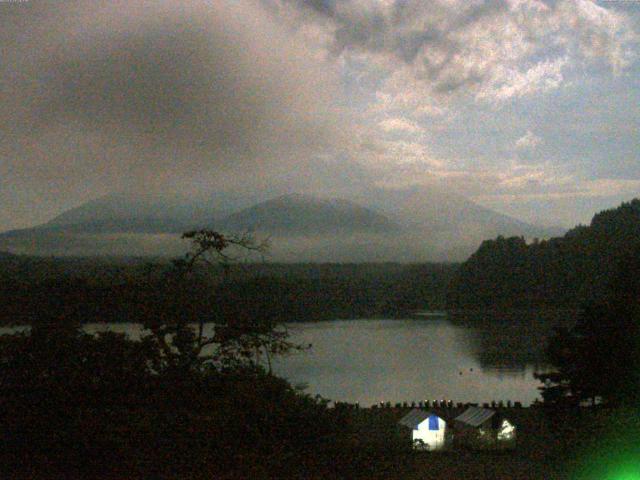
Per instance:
x=594, y=270
x=598, y=360
x=560, y=272
x=291, y=292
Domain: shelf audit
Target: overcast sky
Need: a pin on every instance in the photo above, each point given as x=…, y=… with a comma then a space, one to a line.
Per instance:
x=531, y=107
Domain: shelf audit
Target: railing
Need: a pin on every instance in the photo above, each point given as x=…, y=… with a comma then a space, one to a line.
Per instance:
x=433, y=404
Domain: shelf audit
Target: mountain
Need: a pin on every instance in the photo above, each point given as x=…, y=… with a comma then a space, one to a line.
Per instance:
x=435, y=209
x=126, y=214
x=121, y=213
x=121, y=224
x=414, y=224
x=298, y=214
x=563, y=271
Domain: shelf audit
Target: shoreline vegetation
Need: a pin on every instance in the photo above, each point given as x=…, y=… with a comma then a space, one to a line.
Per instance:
x=105, y=290
x=100, y=291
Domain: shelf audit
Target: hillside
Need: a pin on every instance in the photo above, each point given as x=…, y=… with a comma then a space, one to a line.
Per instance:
x=563, y=271
x=122, y=214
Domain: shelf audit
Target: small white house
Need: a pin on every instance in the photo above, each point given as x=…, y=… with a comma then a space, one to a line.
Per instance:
x=428, y=431
x=482, y=428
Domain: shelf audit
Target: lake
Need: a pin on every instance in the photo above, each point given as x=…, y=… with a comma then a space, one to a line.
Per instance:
x=464, y=358
x=369, y=361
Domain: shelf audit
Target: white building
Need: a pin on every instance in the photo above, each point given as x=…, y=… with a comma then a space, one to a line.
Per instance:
x=428, y=431
x=482, y=428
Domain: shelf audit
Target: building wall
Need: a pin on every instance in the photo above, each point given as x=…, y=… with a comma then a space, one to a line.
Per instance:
x=506, y=435
x=433, y=439
x=487, y=436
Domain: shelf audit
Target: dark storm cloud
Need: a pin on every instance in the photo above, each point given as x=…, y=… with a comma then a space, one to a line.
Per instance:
x=141, y=94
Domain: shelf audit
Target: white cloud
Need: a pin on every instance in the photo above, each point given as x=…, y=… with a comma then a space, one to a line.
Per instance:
x=528, y=141
x=494, y=50
x=508, y=82
x=400, y=125
x=393, y=153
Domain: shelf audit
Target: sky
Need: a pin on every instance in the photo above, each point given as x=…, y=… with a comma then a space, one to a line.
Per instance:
x=529, y=107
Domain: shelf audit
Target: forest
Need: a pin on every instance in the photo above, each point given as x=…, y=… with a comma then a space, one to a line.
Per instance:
x=130, y=290
x=174, y=403
x=560, y=272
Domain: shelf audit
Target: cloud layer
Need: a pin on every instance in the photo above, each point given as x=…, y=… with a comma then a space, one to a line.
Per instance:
x=494, y=49
x=497, y=99
x=456, y=89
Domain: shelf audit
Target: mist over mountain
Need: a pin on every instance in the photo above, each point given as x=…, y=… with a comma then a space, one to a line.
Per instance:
x=414, y=224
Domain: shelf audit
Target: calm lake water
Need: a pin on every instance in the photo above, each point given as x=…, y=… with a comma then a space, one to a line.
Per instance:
x=369, y=361
x=475, y=358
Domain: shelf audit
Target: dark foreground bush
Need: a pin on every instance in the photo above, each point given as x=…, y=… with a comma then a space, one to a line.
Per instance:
x=79, y=406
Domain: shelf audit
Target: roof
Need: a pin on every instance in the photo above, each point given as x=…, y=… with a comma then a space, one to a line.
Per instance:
x=475, y=416
x=414, y=418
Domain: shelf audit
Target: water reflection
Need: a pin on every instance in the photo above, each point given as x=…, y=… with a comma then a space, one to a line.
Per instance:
x=509, y=342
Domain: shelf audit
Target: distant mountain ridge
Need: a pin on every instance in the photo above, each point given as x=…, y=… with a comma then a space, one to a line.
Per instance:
x=306, y=214
x=437, y=209
x=415, y=224
x=563, y=271
x=119, y=214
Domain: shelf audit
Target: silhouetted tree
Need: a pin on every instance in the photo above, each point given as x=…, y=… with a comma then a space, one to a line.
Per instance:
x=62, y=391
x=600, y=356
x=238, y=339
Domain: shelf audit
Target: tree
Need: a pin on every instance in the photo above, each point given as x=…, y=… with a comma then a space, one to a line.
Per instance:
x=237, y=340
x=600, y=356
